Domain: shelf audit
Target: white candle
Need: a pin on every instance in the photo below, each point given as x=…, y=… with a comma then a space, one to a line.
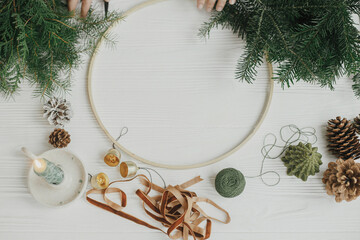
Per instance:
x=39, y=165
x=51, y=173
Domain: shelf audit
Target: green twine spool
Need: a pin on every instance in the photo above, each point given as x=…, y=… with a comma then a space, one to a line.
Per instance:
x=230, y=182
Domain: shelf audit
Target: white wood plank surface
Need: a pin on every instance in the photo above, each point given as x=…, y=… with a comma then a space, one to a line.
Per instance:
x=177, y=95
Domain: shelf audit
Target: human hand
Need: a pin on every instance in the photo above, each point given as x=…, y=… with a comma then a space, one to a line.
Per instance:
x=85, y=6
x=210, y=4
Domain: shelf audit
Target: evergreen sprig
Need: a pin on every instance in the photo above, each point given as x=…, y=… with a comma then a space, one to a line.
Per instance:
x=42, y=42
x=314, y=40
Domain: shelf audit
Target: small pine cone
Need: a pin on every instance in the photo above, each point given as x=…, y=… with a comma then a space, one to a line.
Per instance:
x=356, y=124
x=343, y=141
x=59, y=138
x=342, y=179
x=58, y=112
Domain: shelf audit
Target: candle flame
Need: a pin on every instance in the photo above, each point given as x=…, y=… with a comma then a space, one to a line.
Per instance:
x=37, y=163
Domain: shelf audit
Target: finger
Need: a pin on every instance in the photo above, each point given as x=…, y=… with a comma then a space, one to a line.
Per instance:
x=72, y=4
x=220, y=5
x=85, y=6
x=210, y=5
x=200, y=4
x=232, y=2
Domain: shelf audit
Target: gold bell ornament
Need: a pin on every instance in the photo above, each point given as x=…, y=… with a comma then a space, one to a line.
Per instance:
x=100, y=181
x=129, y=169
x=113, y=156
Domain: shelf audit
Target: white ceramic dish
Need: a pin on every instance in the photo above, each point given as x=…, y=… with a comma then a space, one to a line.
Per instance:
x=73, y=186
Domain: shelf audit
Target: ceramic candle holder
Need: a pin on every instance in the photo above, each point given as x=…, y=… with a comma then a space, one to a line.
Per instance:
x=71, y=187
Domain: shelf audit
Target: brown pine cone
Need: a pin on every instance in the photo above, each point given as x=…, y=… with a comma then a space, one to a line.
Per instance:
x=356, y=124
x=342, y=179
x=343, y=141
x=59, y=138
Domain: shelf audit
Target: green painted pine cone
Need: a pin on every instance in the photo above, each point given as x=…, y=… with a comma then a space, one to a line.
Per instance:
x=302, y=160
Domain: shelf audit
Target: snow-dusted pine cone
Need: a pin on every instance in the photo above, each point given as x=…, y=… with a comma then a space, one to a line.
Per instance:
x=58, y=112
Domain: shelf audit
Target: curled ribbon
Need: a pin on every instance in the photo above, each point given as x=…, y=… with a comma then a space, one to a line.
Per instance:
x=175, y=208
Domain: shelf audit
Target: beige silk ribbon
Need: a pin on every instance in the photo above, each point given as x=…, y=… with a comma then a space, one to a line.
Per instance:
x=175, y=208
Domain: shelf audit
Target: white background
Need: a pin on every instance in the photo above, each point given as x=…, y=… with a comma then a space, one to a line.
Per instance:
x=177, y=95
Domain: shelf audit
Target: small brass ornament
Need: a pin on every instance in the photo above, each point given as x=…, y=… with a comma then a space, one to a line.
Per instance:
x=100, y=181
x=128, y=169
x=112, y=158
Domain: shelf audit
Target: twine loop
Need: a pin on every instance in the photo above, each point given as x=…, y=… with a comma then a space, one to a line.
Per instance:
x=289, y=135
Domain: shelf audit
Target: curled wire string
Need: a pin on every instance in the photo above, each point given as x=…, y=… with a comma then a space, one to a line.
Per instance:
x=123, y=131
x=150, y=176
x=147, y=169
x=304, y=135
x=89, y=177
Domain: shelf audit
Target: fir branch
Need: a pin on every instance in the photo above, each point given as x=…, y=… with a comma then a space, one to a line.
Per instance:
x=356, y=85
x=41, y=42
x=56, y=20
x=253, y=58
x=315, y=41
x=288, y=49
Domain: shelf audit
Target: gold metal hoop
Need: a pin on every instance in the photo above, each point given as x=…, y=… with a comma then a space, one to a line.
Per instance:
x=197, y=165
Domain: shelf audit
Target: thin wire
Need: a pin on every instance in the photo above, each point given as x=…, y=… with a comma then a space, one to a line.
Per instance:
x=147, y=169
x=151, y=180
x=123, y=131
x=89, y=177
x=304, y=135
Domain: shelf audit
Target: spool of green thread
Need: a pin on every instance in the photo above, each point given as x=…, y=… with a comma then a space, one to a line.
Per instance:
x=230, y=182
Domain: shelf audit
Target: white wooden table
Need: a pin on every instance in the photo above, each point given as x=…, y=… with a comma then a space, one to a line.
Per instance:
x=177, y=95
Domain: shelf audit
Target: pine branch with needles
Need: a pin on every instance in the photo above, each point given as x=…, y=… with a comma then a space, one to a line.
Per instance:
x=314, y=41
x=41, y=42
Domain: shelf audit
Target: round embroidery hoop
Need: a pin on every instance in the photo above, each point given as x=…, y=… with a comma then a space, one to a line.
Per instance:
x=251, y=133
